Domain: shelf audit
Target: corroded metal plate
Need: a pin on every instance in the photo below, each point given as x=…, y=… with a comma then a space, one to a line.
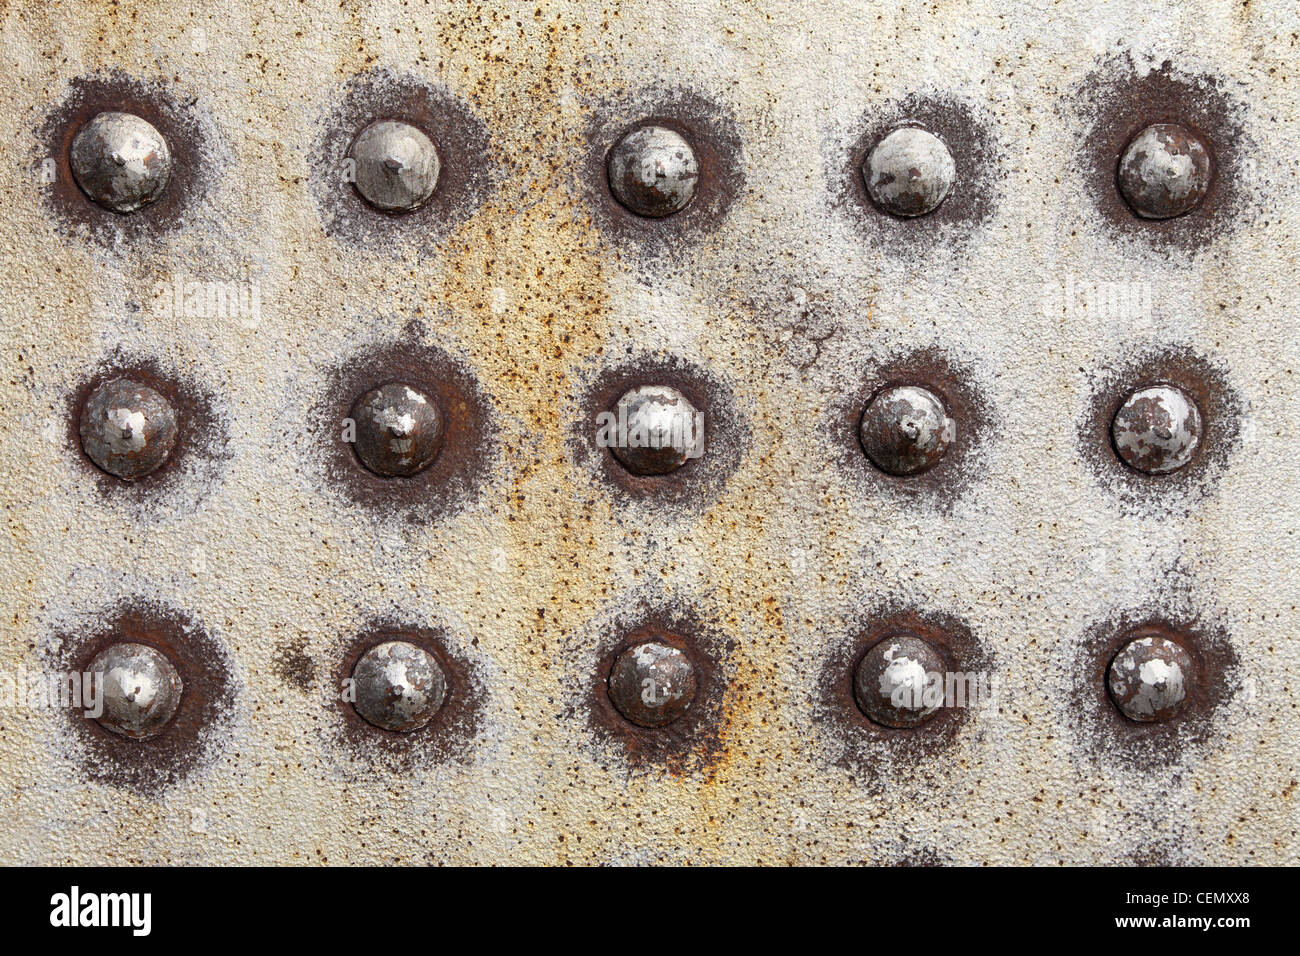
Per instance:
x=261, y=295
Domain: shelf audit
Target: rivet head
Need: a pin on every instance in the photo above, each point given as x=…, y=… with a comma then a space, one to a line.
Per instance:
x=654, y=430
x=399, y=686
x=397, y=165
x=909, y=172
x=652, y=683
x=128, y=429
x=899, y=681
x=141, y=689
x=1157, y=429
x=120, y=161
x=1148, y=678
x=1164, y=171
x=906, y=430
x=399, y=430
x=653, y=171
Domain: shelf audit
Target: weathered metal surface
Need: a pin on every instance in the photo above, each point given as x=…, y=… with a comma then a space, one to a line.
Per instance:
x=120, y=161
x=891, y=681
x=1148, y=678
x=396, y=165
x=906, y=430
x=1165, y=171
x=395, y=430
x=261, y=295
x=399, y=686
x=1157, y=429
x=652, y=171
x=653, y=430
x=909, y=172
x=141, y=689
x=652, y=683
x=127, y=429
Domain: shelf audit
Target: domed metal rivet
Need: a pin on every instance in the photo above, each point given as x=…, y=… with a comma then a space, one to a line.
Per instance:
x=1164, y=171
x=909, y=172
x=120, y=161
x=1148, y=678
x=128, y=429
x=396, y=165
x=399, y=686
x=906, y=430
x=652, y=683
x=399, y=430
x=656, y=430
x=141, y=689
x=1157, y=429
x=653, y=171
x=900, y=681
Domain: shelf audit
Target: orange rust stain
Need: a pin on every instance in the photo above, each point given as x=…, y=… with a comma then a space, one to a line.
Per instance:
x=526, y=270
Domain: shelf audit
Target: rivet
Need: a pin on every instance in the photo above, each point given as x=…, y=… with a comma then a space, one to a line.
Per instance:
x=909, y=172
x=120, y=161
x=397, y=165
x=652, y=683
x=905, y=430
x=141, y=689
x=895, y=683
x=657, y=430
x=128, y=429
x=1164, y=171
x=1157, y=429
x=399, y=430
x=1148, y=678
x=653, y=171
x=399, y=686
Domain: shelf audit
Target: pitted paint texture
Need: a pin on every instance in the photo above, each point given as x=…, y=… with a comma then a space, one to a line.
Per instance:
x=787, y=301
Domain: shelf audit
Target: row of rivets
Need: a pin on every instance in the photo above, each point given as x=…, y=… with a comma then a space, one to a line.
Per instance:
x=122, y=162
x=400, y=687
x=129, y=430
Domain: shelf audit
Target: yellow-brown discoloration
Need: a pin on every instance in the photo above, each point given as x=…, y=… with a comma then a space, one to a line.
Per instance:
x=784, y=302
